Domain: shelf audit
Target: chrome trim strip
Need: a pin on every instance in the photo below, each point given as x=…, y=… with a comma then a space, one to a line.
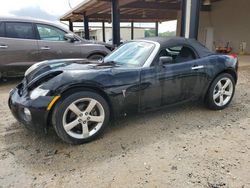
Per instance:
x=153, y=54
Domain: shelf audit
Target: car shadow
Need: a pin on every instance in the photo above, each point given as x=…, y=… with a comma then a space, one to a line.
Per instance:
x=121, y=138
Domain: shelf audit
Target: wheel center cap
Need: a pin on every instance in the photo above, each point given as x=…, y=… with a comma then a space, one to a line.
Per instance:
x=84, y=118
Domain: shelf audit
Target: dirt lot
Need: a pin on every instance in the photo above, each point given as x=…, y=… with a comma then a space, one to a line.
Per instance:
x=186, y=146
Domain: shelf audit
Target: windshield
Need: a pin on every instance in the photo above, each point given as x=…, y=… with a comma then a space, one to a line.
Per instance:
x=131, y=54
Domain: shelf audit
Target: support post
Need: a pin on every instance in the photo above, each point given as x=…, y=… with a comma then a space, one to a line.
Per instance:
x=103, y=32
x=71, y=26
x=156, y=29
x=190, y=18
x=132, y=30
x=195, y=18
x=116, y=22
x=86, y=27
x=183, y=17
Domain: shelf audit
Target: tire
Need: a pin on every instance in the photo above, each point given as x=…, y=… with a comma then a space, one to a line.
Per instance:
x=96, y=57
x=221, y=92
x=81, y=117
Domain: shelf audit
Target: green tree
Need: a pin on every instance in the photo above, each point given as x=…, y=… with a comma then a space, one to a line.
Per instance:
x=168, y=34
x=151, y=33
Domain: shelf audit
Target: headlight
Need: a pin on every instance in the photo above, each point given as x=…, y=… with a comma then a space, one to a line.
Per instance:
x=38, y=92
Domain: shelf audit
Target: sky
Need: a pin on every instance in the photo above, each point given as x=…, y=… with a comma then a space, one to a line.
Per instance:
x=52, y=9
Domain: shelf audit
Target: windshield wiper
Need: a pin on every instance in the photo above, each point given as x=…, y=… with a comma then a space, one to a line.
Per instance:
x=110, y=62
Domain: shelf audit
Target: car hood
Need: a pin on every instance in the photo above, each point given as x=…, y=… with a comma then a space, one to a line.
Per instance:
x=104, y=43
x=52, y=68
x=93, y=42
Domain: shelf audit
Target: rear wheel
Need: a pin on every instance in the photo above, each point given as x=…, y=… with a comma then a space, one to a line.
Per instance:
x=221, y=92
x=81, y=117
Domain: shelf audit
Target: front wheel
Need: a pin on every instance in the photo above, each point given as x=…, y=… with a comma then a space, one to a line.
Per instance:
x=221, y=92
x=81, y=117
x=98, y=57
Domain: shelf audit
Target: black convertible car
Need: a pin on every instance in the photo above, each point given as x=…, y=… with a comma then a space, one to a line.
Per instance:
x=78, y=97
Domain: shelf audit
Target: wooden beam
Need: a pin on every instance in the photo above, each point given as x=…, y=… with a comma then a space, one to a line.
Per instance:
x=92, y=7
x=108, y=20
x=107, y=6
x=172, y=15
x=125, y=2
x=152, y=6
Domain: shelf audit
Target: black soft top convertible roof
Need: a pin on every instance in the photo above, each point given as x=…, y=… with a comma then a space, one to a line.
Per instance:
x=166, y=42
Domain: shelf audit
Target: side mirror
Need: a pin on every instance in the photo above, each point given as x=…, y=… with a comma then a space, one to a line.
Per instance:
x=165, y=60
x=70, y=37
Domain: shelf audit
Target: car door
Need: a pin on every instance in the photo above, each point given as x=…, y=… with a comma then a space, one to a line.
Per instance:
x=177, y=82
x=151, y=90
x=18, y=45
x=174, y=82
x=184, y=78
x=53, y=45
x=167, y=85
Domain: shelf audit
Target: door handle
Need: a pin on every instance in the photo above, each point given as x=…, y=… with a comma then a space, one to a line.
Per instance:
x=3, y=46
x=45, y=48
x=198, y=67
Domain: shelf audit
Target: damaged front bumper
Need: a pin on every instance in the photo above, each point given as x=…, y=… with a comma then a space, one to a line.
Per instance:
x=34, y=114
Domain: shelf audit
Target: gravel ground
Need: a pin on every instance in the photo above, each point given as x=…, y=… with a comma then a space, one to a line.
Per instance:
x=186, y=146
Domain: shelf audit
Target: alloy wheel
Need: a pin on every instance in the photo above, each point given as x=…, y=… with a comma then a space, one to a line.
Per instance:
x=83, y=118
x=223, y=92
